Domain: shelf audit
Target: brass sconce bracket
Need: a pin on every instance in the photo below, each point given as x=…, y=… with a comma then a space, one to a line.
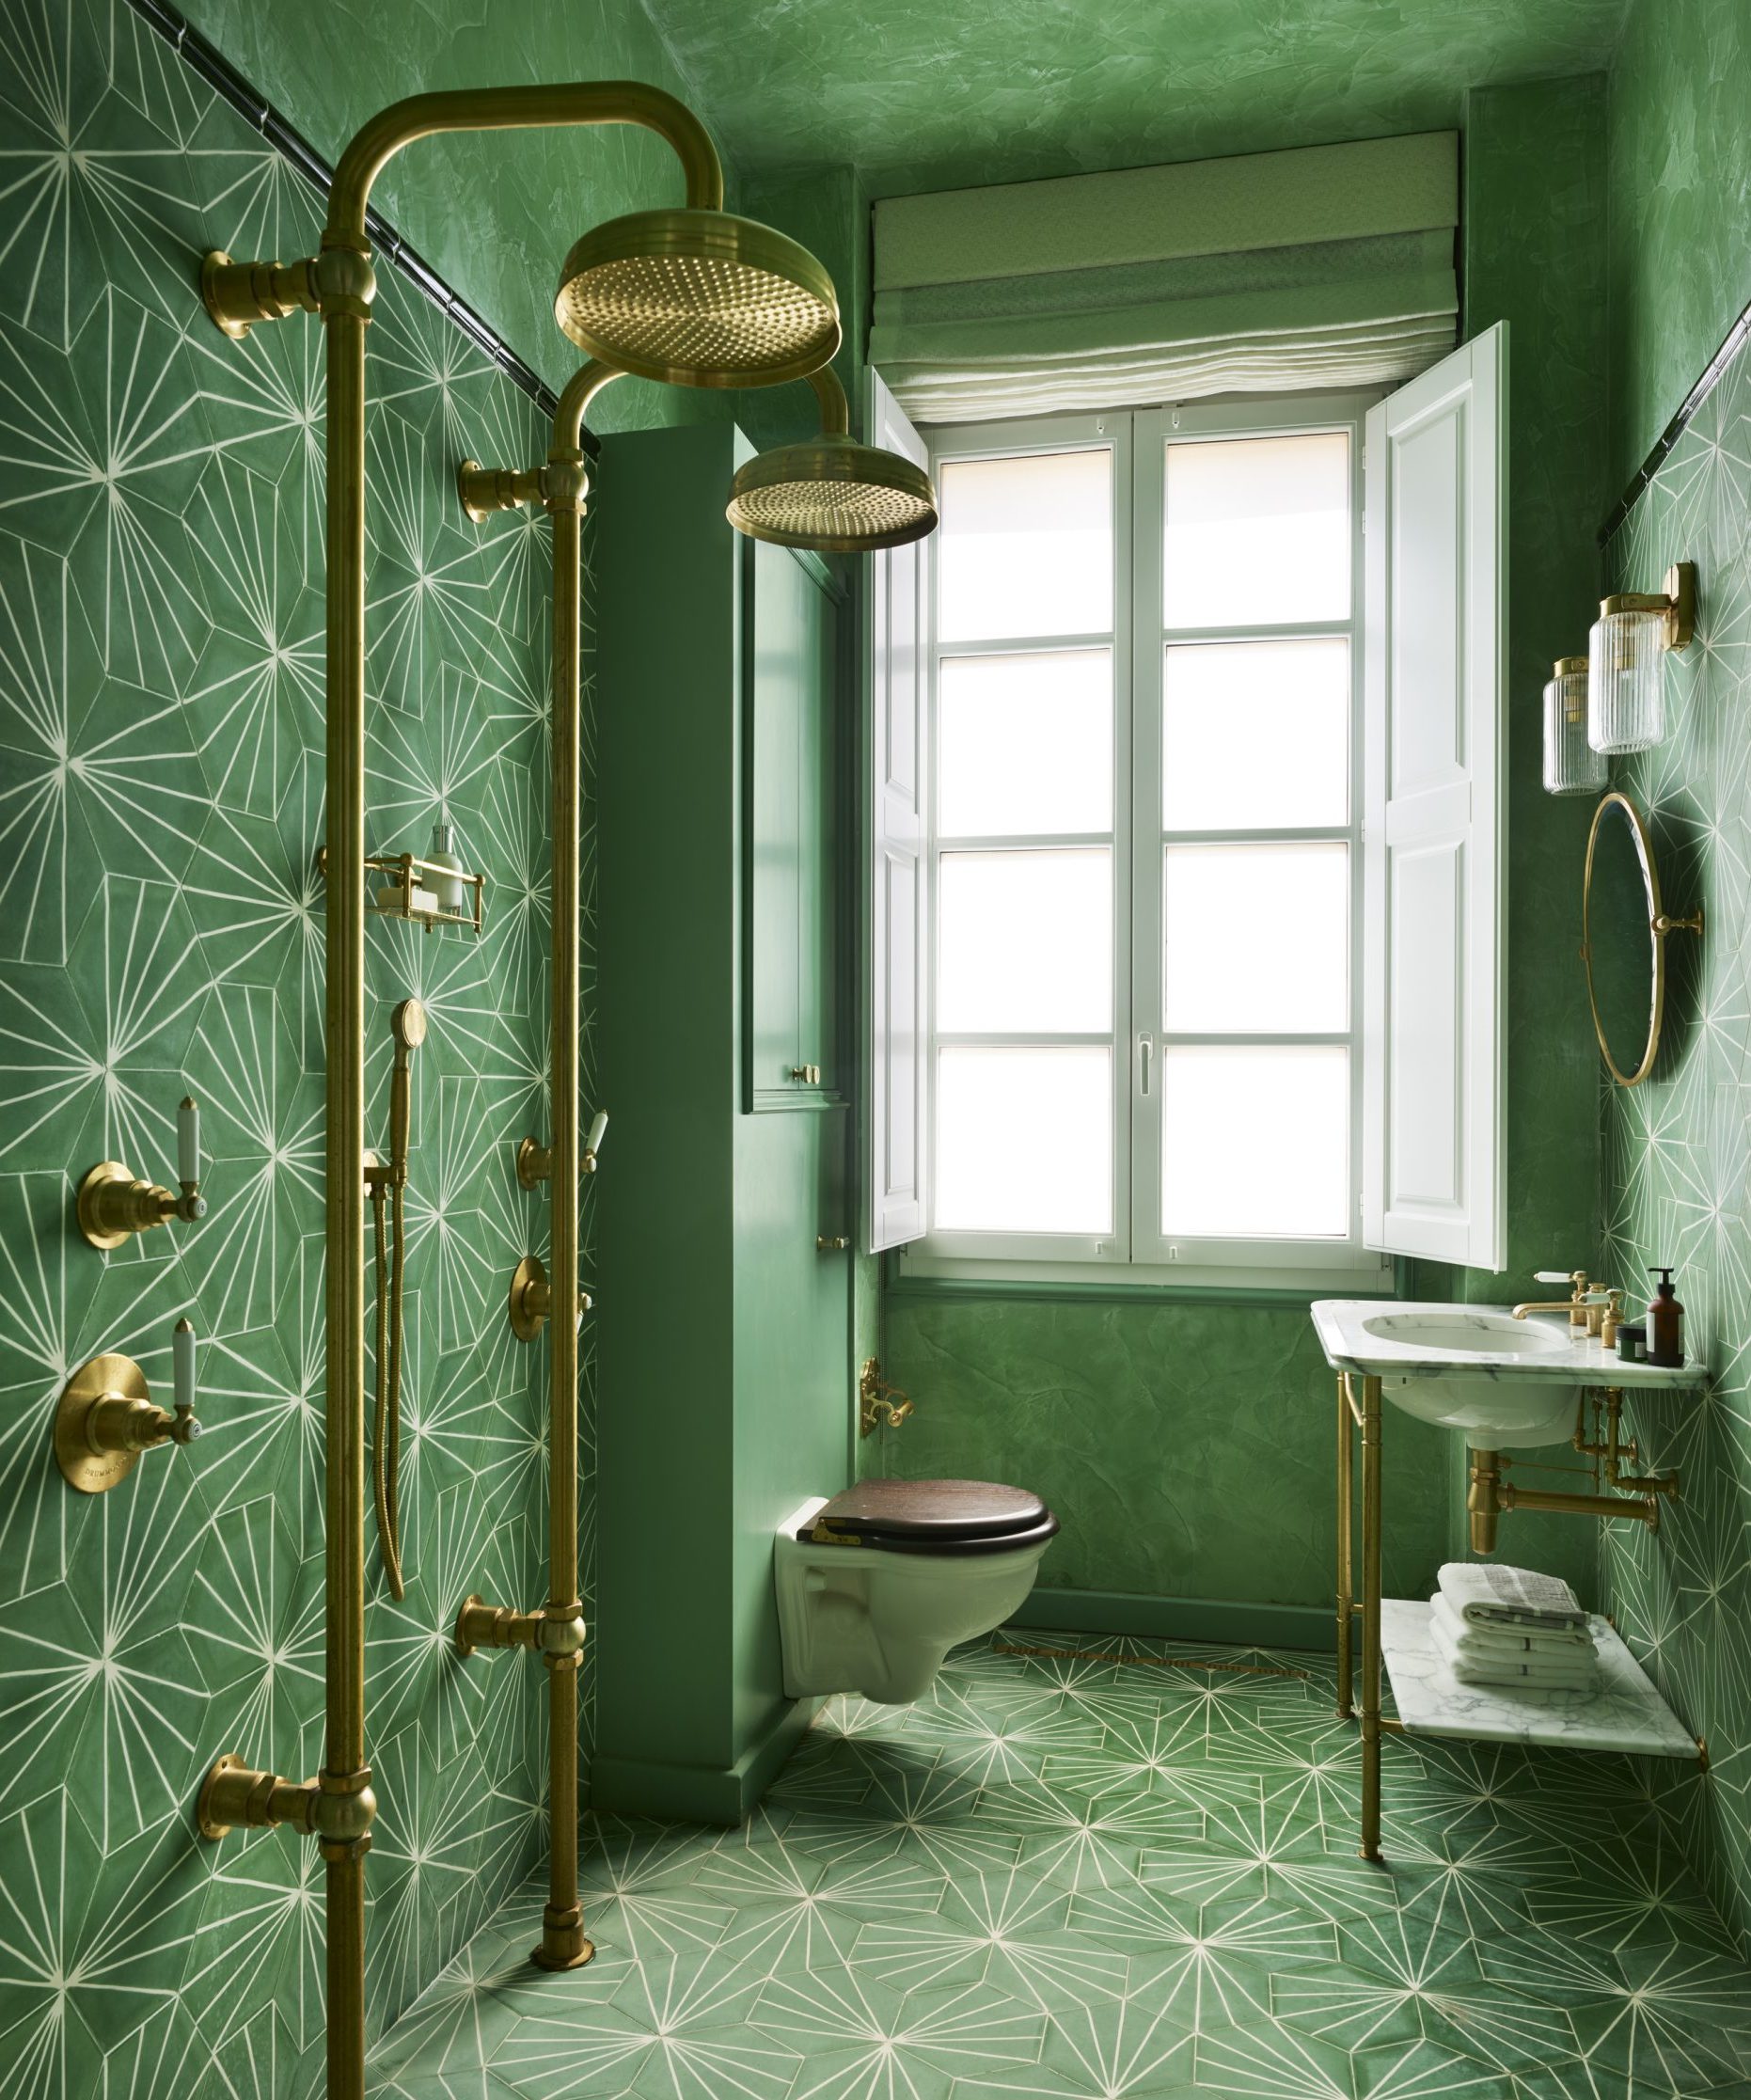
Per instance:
x=336, y=1808
x=879, y=1405
x=1677, y=600
x=106, y=1417
x=555, y=1631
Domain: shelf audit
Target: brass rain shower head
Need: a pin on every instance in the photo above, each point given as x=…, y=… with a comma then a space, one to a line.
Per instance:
x=699, y=299
x=831, y=493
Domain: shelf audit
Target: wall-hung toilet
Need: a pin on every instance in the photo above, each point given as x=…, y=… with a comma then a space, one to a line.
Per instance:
x=876, y=1585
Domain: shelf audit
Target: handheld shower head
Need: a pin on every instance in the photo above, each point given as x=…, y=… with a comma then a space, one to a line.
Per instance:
x=832, y=493
x=698, y=299
x=407, y=1024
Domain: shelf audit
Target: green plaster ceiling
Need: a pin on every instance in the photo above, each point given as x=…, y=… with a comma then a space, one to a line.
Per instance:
x=927, y=94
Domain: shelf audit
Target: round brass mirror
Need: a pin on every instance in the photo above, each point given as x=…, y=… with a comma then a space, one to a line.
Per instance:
x=1623, y=932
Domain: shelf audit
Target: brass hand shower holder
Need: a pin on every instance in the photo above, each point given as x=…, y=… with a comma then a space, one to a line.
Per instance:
x=764, y=311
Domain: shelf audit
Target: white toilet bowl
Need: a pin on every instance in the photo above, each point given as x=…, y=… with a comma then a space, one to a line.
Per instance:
x=875, y=1585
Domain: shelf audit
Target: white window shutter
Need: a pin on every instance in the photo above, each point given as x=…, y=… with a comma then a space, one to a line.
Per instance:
x=898, y=777
x=1435, y=820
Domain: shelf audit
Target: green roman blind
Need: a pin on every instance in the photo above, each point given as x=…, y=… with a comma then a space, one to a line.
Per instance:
x=1320, y=266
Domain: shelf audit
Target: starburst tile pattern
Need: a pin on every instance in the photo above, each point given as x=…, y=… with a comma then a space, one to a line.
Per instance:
x=1676, y=1157
x=1116, y=1872
x=161, y=733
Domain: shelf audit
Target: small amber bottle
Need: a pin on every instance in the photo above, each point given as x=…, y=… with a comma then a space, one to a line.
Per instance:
x=1665, y=1325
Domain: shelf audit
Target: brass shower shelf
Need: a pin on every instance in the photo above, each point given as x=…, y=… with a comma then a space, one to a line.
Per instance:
x=406, y=892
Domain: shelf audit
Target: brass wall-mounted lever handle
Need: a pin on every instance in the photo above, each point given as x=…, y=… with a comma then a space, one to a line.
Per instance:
x=535, y=1161
x=113, y=1202
x=530, y=1304
x=107, y=1417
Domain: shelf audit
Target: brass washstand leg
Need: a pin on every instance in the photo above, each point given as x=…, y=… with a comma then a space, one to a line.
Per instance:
x=1372, y=1618
x=1346, y=1603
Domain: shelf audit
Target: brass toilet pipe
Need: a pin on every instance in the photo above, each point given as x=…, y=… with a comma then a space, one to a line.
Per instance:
x=338, y=285
x=556, y=1632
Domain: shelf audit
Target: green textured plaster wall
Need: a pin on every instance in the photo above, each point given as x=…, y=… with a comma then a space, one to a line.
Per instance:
x=922, y=96
x=1680, y=208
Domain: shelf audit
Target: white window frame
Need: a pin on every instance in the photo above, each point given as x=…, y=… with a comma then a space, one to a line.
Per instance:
x=1136, y=1253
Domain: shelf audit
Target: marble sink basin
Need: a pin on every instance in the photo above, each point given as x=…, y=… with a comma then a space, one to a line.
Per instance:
x=1493, y=1413
x=1504, y=1383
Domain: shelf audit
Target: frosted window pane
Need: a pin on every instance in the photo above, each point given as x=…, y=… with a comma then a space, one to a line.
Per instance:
x=1256, y=937
x=1024, y=1140
x=1255, y=735
x=1255, y=1142
x=1256, y=530
x=1025, y=743
x=1025, y=941
x=1025, y=546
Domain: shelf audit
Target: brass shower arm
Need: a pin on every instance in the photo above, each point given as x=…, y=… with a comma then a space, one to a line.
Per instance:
x=580, y=390
x=835, y=408
x=527, y=108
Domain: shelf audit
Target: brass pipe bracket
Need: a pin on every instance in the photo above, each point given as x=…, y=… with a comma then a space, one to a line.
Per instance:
x=555, y=1631
x=335, y=1807
x=561, y=484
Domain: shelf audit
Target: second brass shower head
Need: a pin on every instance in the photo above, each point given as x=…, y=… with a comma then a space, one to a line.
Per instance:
x=831, y=493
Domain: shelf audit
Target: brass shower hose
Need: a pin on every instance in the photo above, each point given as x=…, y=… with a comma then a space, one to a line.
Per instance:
x=408, y=1026
x=386, y=1430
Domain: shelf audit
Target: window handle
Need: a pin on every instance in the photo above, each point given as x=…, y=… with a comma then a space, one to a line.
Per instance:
x=1145, y=1050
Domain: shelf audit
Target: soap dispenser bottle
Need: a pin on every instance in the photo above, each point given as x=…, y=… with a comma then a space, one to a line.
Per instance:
x=1666, y=1324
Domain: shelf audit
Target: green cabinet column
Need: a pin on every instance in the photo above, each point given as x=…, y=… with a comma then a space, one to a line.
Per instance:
x=724, y=1381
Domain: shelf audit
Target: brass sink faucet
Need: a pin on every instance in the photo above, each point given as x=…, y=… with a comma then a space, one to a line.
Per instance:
x=1592, y=1308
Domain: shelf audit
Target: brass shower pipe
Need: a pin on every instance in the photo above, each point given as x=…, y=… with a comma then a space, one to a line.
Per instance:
x=338, y=285
x=555, y=1630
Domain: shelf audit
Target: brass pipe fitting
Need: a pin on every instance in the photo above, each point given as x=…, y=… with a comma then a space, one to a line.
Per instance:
x=555, y=1631
x=337, y=1807
x=1483, y=1504
x=483, y=490
x=238, y=294
x=1490, y=1496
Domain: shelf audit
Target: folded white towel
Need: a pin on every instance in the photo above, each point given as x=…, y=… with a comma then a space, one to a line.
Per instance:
x=1482, y=1644
x=1487, y=1595
x=1578, y=1676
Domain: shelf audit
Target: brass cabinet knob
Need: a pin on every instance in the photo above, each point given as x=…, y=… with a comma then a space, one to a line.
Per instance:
x=835, y=1243
x=810, y=1075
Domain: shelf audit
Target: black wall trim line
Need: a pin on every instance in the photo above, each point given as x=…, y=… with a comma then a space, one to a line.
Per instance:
x=1737, y=337
x=230, y=85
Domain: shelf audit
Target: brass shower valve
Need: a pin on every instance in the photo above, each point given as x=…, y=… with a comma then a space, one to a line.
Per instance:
x=112, y=1202
x=555, y=1631
x=107, y=1417
x=530, y=1304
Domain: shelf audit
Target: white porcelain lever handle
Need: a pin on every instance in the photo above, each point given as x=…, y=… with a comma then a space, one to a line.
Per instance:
x=188, y=1142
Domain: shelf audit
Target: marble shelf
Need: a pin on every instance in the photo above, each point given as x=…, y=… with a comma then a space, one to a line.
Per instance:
x=1626, y=1713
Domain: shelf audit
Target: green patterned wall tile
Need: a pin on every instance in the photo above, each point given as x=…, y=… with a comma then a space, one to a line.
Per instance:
x=161, y=804
x=1676, y=1180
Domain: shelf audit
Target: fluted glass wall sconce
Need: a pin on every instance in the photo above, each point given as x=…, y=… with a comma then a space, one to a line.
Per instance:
x=1626, y=661
x=1572, y=765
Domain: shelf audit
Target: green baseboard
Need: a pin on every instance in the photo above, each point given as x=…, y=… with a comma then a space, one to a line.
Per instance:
x=701, y=1794
x=1233, y=1624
